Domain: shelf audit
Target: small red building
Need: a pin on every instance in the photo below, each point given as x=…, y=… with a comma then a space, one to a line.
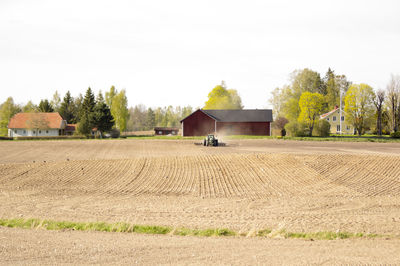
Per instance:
x=166, y=130
x=228, y=122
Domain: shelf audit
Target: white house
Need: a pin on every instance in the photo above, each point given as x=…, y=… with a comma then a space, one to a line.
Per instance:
x=36, y=125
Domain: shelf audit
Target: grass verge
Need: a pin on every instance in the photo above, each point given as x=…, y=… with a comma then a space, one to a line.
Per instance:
x=162, y=230
x=81, y=226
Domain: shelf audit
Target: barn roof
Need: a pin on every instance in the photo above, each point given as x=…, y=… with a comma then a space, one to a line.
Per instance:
x=246, y=115
x=37, y=120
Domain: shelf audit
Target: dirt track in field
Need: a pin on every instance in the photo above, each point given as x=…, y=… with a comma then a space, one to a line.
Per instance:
x=247, y=186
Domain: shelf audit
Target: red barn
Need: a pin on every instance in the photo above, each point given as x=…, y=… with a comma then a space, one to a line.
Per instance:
x=228, y=122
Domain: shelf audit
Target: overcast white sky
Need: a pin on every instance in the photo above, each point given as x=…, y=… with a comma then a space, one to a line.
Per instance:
x=175, y=52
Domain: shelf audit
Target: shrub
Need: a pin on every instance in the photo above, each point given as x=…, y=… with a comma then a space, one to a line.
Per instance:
x=322, y=128
x=296, y=129
x=115, y=133
x=395, y=135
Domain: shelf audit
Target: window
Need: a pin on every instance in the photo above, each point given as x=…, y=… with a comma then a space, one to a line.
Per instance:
x=15, y=131
x=40, y=132
x=24, y=131
x=348, y=128
x=338, y=128
x=34, y=132
x=342, y=118
x=47, y=132
x=334, y=118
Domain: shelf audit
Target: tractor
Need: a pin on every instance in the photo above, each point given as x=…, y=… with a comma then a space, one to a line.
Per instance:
x=210, y=140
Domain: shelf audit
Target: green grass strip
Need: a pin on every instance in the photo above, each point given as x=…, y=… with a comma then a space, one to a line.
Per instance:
x=204, y=232
x=162, y=230
x=80, y=226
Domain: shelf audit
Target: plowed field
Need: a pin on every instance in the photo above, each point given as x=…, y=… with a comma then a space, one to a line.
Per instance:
x=247, y=186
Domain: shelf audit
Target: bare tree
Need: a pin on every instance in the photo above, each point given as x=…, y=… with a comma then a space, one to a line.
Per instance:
x=393, y=97
x=378, y=102
x=279, y=124
x=37, y=121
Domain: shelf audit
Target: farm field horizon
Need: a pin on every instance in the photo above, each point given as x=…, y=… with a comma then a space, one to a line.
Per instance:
x=247, y=186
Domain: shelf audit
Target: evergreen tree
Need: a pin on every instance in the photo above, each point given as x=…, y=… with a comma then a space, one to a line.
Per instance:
x=87, y=116
x=334, y=84
x=104, y=121
x=332, y=90
x=45, y=106
x=67, y=108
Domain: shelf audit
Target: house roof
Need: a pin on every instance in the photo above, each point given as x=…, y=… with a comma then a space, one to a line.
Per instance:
x=36, y=120
x=247, y=115
x=70, y=127
x=329, y=113
x=166, y=128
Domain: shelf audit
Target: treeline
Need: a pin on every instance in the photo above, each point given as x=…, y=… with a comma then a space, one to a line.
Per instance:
x=94, y=112
x=297, y=107
x=89, y=112
x=143, y=118
x=104, y=112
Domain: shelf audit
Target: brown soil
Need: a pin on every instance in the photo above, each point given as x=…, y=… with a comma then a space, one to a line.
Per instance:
x=246, y=186
x=38, y=247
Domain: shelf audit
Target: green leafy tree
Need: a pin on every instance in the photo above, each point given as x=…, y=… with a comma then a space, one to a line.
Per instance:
x=7, y=110
x=322, y=128
x=186, y=111
x=110, y=95
x=222, y=98
x=150, y=119
x=311, y=106
x=56, y=101
x=137, y=118
x=304, y=80
x=45, y=106
x=277, y=99
x=296, y=128
x=30, y=107
x=87, y=119
x=77, y=110
x=359, y=107
x=307, y=80
x=119, y=110
x=67, y=108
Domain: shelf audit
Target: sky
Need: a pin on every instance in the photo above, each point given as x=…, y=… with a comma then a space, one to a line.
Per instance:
x=175, y=52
